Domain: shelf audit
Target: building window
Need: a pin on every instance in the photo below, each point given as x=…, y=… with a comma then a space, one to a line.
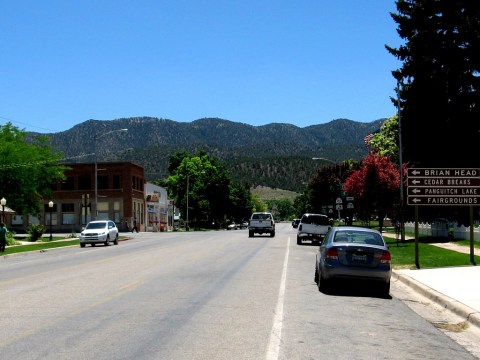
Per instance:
x=68, y=213
x=68, y=219
x=102, y=182
x=116, y=181
x=67, y=184
x=84, y=183
x=68, y=207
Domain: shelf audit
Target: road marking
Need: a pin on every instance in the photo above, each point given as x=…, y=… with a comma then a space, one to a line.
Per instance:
x=273, y=348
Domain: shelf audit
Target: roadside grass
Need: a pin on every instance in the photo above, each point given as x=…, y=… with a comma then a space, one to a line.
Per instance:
x=43, y=243
x=38, y=246
x=429, y=256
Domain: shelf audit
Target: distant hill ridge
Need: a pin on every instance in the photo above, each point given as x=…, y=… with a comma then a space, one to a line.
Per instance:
x=275, y=155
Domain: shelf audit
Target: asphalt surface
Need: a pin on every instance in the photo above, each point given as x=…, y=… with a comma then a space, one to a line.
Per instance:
x=453, y=288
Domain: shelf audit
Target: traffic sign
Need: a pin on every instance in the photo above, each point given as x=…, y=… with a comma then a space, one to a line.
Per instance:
x=452, y=172
x=433, y=186
x=442, y=191
x=443, y=200
x=339, y=201
x=437, y=181
x=339, y=207
x=350, y=205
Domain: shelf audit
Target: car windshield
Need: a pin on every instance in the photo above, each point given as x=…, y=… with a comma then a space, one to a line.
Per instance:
x=261, y=216
x=359, y=237
x=100, y=225
x=315, y=219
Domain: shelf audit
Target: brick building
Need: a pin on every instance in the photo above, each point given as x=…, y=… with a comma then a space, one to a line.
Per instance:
x=120, y=191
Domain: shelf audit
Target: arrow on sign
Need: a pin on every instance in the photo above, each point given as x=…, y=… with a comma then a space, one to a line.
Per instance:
x=415, y=200
x=415, y=182
x=416, y=191
x=416, y=172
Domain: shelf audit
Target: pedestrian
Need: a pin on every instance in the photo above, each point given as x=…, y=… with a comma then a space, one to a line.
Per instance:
x=3, y=237
x=134, y=226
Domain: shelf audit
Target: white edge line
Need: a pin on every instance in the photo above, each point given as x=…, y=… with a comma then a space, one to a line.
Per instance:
x=273, y=348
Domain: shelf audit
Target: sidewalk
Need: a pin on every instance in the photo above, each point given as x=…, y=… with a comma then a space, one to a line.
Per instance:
x=454, y=288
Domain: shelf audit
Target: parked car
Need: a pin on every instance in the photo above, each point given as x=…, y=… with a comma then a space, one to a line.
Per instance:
x=353, y=253
x=232, y=226
x=312, y=227
x=99, y=232
x=244, y=225
x=295, y=223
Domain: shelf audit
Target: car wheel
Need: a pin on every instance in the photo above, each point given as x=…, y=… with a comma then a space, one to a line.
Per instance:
x=82, y=245
x=324, y=285
x=272, y=234
x=385, y=289
x=115, y=242
x=316, y=274
x=250, y=234
x=107, y=240
x=299, y=241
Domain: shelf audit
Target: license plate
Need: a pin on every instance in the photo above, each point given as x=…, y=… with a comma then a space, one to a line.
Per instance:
x=359, y=258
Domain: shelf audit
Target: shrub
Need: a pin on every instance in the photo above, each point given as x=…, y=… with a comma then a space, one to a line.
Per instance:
x=11, y=238
x=35, y=232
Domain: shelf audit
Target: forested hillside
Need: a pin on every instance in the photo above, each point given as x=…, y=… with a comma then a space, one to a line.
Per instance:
x=275, y=155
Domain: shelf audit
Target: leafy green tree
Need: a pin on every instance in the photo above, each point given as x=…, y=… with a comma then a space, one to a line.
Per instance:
x=212, y=196
x=282, y=209
x=386, y=141
x=439, y=84
x=257, y=204
x=241, y=203
x=29, y=169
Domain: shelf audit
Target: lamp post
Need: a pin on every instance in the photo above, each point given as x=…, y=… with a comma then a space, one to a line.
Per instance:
x=96, y=165
x=3, y=202
x=50, y=206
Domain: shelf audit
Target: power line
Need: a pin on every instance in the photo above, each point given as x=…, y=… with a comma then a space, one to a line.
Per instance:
x=11, y=166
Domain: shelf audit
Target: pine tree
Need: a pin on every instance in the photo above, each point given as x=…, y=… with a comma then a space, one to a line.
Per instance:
x=439, y=81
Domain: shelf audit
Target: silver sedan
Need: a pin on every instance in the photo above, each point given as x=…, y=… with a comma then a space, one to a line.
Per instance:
x=353, y=253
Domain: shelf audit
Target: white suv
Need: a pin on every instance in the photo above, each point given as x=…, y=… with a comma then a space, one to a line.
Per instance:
x=312, y=227
x=99, y=232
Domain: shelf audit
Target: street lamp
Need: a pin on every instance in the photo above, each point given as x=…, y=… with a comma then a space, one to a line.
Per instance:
x=3, y=202
x=50, y=206
x=96, y=165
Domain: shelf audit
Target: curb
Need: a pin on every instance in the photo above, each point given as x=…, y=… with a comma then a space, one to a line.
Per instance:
x=456, y=307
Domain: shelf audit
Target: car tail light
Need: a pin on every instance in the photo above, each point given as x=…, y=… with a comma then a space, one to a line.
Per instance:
x=385, y=258
x=331, y=254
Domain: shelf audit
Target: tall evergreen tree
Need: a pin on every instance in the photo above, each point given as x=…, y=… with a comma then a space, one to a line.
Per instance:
x=439, y=82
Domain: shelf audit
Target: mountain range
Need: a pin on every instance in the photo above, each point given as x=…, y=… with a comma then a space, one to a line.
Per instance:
x=277, y=155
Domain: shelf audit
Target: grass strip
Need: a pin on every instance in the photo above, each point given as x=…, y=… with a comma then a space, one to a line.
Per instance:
x=429, y=256
x=37, y=246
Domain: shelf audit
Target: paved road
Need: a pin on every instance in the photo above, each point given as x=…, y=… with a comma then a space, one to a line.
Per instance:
x=214, y=295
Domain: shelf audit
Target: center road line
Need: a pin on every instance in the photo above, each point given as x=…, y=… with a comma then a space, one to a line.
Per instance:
x=273, y=348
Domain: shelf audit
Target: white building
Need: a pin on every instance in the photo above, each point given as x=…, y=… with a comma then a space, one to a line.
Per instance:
x=158, y=210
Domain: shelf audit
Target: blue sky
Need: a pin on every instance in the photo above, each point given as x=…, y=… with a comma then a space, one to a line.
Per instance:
x=302, y=62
